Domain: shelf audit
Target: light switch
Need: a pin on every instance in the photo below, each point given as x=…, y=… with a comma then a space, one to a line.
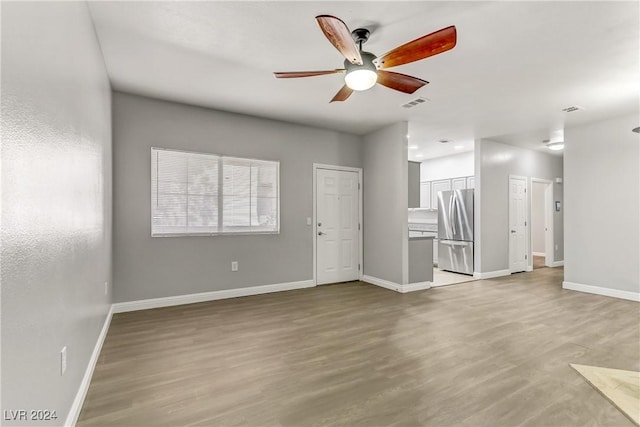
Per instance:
x=308, y=220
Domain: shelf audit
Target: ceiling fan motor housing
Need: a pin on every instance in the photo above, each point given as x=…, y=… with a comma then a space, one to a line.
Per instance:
x=367, y=63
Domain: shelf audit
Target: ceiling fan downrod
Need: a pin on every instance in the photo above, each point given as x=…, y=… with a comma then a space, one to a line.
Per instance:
x=360, y=36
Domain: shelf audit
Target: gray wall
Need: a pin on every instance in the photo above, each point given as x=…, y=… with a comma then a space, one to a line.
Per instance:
x=413, y=176
x=537, y=217
x=385, y=204
x=497, y=161
x=146, y=267
x=602, y=179
x=56, y=202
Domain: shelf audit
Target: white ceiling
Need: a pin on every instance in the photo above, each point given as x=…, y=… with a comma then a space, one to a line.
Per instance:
x=515, y=67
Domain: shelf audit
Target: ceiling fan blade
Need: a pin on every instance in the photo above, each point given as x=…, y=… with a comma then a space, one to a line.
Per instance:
x=339, y=35
x=342, y=94
x=293, y=74
x=400, y=82
x=423, y=47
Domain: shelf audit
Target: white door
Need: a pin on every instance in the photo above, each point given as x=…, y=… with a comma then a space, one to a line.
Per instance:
x=337, y=240
x=517, y=224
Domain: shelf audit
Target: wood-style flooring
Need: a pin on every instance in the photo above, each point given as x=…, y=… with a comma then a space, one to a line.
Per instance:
x=538, y=261
x=445, y=278
x=489, y=353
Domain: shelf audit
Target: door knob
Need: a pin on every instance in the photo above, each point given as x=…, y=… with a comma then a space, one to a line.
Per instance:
x=320, y=233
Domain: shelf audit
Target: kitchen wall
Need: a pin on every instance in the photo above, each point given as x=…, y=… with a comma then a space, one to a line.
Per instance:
x=537, y=217
x=602, y=180
x=447, y=167
x=146, y=267
x=386, y=233
x=56, y=203
x=495, y=162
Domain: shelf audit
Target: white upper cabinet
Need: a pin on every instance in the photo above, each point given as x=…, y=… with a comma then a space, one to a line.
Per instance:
x=471, y=182
x=425, y=195
x=459, y=183
x=429, y=189
x=436, y=187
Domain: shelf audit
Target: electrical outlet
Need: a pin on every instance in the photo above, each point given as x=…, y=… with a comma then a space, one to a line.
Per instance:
x=106, y=288
x=63, y=360
x=556, y=247
x=234, y=265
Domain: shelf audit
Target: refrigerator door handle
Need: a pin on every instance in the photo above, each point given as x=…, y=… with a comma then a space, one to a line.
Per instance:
x=451, y=201
x=454, y=213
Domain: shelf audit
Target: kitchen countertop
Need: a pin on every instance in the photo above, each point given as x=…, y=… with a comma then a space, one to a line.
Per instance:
x=422, y=238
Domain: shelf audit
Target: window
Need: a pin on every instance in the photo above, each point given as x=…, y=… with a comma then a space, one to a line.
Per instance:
x=207, y=194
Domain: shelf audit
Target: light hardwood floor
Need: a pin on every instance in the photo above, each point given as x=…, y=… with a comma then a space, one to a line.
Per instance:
x=489, y=353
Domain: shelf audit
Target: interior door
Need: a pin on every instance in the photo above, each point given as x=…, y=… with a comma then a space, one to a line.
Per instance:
x=517, y=224
x=337, y=240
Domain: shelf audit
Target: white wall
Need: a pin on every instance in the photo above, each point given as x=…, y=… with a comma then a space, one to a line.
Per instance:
x=56, y=202
x=496, y=162
x=146, y=267
x=537, y=217
x=602, y=180
x=447, y=167
x=386, y=230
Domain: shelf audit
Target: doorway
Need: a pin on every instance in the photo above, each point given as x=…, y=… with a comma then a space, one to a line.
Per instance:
x=542, y=240
x=337, y=224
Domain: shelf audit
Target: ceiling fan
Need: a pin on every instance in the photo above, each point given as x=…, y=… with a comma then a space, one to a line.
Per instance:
x=363, y=69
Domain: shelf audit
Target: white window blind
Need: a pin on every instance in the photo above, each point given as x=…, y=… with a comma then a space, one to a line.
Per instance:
x=207, y=194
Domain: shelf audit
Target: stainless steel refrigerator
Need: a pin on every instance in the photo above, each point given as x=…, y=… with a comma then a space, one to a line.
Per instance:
x=455, y=231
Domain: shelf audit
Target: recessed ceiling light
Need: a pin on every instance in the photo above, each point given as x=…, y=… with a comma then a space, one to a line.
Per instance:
x=458, y=147
x=556, y=146
x=413, y=147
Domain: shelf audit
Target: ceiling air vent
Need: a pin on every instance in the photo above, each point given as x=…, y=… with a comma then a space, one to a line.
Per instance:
x=572, y=109
x=415, y=102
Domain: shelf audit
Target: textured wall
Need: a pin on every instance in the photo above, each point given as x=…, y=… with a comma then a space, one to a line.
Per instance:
x=56, y=202
x=146, y=267
x=602, y=179
x=386, y=246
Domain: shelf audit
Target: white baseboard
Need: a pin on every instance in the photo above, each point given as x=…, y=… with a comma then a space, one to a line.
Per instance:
x=491, y=274
x=556, y=263
x=417, y=286
x=538, y=254
x=78, y=401
x=599, y=290
x=529, y=269
x=382, y=283
x=411, y=287
x=145, y=304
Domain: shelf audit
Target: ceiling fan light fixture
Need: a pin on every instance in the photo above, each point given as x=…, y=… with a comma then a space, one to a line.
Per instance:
x=361, y=79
